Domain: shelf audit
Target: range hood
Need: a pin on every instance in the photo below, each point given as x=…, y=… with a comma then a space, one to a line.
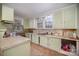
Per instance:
x=6, y=21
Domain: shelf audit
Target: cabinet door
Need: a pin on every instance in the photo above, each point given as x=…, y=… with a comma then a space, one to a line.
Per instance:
x=7, y=13
x=1, y=34
x=58, y=19
x=2, y=26
x=43, y=41
x=35, y=39
x=26, y=23
x=54, y=44
x=70, y=17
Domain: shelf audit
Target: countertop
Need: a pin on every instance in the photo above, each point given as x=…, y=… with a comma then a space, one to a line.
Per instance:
x=60, y=37
x=10, y=42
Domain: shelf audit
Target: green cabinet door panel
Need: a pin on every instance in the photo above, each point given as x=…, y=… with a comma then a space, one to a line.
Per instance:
x=2, y=26
x=26, y=23
x=50, y=43
x=19, y=50
x=58, y=19
x=70, y=17
x=54, y=44
x=7, y=13
x=35, y=38
x=43, y=41
x=1, y=34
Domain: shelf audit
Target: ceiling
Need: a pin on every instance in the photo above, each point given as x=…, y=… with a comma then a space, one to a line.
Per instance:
x=29, y=10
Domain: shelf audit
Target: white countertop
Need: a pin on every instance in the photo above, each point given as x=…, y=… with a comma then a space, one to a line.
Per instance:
x=9, y=42
x=60, y=37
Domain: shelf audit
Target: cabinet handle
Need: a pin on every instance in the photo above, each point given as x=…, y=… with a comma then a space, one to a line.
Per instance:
x=39, y=40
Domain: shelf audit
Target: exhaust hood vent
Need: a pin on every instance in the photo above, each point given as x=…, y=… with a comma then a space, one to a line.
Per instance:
x=7, y=22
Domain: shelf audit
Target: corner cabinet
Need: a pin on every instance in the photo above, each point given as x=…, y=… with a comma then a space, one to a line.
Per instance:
x=66, y=18
x=7, y=13
x=70, y=14
x=35, y=38
x=54, y=43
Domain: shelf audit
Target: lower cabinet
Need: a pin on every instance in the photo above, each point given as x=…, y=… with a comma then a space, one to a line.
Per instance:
x=2, y=32
x=23, y=49
x=48, y=42
x=43, y=41
x=54, y=44
x=35, y=39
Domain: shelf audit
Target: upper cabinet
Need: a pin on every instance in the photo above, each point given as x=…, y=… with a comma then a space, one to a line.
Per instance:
x=66, y=18
x=7, y=13
x=32, y=23
x=69, y=15
x=58, y=19
x=26, y=23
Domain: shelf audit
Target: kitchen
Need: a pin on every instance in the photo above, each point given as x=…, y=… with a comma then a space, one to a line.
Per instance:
x=39, y=29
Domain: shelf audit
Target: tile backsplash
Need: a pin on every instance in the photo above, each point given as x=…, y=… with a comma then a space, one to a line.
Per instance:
x=49, y=31
x=57, y=32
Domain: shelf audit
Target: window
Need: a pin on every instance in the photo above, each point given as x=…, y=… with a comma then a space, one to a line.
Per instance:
x=39, y=22
x=44, y=22
x=48, y=22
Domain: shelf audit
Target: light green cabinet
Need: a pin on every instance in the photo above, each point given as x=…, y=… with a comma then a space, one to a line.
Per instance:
x=33, y=23
x=23, y=49
x=66, y=18
x=50, y=42
x=26, y=23
x=2, y=32
x=58, y=19
x=7, y=13
x=35, y=39
x=2, y=26
x=70, y=17
x=43, y=41
x=54, y=44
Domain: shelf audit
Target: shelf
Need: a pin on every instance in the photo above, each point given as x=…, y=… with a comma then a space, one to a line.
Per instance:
x=67, y=53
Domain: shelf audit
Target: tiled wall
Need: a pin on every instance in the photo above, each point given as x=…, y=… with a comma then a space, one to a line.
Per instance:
x=60, y=32
x=48, y=30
